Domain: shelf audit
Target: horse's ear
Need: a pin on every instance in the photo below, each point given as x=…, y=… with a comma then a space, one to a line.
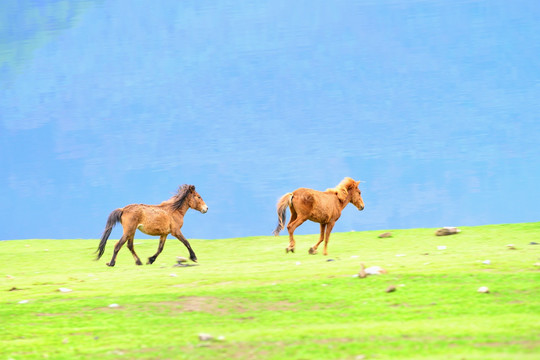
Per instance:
x=191, y=188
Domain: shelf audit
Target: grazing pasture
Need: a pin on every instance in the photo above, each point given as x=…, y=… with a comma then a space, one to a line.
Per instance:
x=247, y=299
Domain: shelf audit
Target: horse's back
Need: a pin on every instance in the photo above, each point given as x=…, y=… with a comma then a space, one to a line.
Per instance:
x=313, y=196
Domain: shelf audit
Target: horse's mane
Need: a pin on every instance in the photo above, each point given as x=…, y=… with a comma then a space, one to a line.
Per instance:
x=177, y=201
x=342, y=189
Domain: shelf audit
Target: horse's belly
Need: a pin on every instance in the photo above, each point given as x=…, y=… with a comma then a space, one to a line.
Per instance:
x=320, y=219
x=322, y=216
x=152, y=229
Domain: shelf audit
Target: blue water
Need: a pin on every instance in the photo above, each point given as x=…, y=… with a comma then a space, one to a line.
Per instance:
x=104, y=103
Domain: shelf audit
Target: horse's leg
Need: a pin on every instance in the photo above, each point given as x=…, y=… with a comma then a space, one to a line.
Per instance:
x=132, y=249
x=293, y=224
x=184, y=241
x=291, y=245
x=117, y=248
x=162, y=239
x=313, y=249
x=329, y=228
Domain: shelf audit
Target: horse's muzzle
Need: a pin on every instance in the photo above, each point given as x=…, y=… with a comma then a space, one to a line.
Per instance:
x=204, y=209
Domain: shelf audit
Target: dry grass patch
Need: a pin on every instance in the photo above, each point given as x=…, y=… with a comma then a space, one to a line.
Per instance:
x=219, y=305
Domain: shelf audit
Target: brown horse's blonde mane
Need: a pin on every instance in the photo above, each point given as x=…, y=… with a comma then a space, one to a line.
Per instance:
x=342, y=189
x=177, y=201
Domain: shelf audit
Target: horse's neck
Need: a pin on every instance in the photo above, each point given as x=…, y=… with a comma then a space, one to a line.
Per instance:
x=343, y=204
x=182, y=211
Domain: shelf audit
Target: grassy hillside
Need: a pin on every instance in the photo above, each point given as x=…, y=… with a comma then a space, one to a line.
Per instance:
x=260, y=303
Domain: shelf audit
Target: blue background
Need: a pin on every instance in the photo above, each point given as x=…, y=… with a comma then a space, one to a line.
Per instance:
x=435, y=104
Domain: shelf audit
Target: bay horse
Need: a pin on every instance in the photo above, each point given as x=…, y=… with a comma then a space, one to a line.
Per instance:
x=157, y=220
x=323, y=207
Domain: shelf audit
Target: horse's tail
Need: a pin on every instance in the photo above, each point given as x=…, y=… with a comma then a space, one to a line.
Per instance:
x=283, y=203
x=114, y=217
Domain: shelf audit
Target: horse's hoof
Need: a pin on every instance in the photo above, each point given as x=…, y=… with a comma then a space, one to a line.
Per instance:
x=150, y=261
x=312, y=251
x=288, y=249
x=138, y=262
x=110, y=264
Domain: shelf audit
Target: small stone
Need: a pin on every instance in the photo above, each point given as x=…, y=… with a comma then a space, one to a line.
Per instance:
x=391, y=288
x=173, y=275
x=205, y=337
x=64, y=290
x=385, y=235
x=447, y=230
x=486, y=262
x=511, y=247
x=483, y=290
x=114, y=305
x=23, y=302
x=441, y=247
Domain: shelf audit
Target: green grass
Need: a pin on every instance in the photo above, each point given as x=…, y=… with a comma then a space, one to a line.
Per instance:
x=271, y=305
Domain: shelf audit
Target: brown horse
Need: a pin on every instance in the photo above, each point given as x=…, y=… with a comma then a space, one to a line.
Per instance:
x=163, y=219
x=318, y=206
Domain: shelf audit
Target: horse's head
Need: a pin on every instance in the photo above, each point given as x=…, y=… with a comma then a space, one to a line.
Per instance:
x=196, y=202
x=356, y=196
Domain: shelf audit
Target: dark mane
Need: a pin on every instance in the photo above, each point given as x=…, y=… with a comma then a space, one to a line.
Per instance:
x=181, y=195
